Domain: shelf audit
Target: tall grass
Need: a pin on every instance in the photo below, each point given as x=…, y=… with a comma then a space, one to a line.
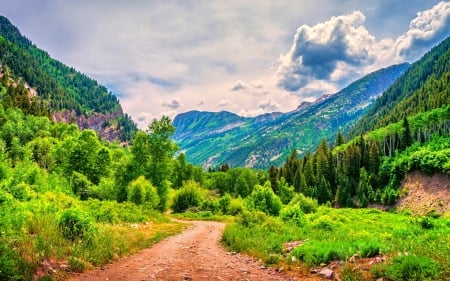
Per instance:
x=337, y=234
x=80, y=234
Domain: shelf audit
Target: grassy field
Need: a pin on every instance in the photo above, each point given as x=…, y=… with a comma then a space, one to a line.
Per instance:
x=411, y=248
x=57, y=233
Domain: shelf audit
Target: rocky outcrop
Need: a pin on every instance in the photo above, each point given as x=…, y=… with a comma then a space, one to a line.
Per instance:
x=103, y=124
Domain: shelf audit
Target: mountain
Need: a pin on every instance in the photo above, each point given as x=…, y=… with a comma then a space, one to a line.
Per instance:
x=210, y=139
x=68, y=95
x=423, y=87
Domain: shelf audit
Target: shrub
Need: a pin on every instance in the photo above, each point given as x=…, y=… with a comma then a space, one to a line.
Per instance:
x=75, y=224
x=264, y=199
x=151, y=196
x=80, y=185
x=236, y=207
x=141, y=191
x=76, y=264
x=224, y=203
x=426, y=223
x=252, y=218
x=306, y=204
x=189, y=196
x=412, y=268
x=324, y=223
x=12, y=266
x=293, y=214
x=211, y=205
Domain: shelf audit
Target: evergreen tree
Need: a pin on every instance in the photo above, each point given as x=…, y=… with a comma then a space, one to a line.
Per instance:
x=339, y=139
x=273, y=178
x=406, y=139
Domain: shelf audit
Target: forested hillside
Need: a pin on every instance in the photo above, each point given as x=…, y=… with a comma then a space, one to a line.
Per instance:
x=61, y=88
x=423, y=87
x=211, y=139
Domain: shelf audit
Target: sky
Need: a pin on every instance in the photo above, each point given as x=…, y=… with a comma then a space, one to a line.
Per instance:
x=245, y=56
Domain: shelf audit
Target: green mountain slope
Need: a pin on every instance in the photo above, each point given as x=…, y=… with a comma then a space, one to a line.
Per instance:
x=211, y=139
x=423, y=87
x=68, y=94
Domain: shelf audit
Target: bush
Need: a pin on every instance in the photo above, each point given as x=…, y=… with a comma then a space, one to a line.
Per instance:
x=252, y=218
x=211, y=205
x=236, y=207
x=141, y=191
x=22, y=191
x=264, y=199
x=12, y=266
x=293, y=214
x=306, y=204
x=189, y=196
x=76, y=264
x=426, y=223
x=412, y=268
x=74, y=224
x=224, y=203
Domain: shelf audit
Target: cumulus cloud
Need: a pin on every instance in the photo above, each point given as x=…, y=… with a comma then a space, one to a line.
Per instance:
x=320, y=50
x=427, y=29
x=174, y=104
x=325, y=57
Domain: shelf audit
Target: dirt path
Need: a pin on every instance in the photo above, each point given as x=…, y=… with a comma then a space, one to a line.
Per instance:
x=195, y=254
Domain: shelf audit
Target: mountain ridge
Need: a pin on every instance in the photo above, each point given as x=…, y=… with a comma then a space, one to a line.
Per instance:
x=256, y=142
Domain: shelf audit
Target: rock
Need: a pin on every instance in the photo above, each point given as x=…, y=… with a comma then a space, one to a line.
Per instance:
x=313, y=271
x=353, y=258
x=244, y=270
x=293, y=259
x=327, y=273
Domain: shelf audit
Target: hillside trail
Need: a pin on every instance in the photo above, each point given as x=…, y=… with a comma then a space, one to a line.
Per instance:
x=195, y=254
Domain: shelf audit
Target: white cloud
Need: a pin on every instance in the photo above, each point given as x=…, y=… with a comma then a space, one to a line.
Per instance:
x=427, y=29
x=325, y=57
x=327, y=51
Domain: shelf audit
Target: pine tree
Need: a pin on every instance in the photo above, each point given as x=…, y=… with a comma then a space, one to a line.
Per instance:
x=406, y=139
x=339, y=139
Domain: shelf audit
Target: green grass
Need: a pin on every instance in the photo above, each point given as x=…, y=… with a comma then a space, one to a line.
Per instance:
x=82, y=234
x=337, y=234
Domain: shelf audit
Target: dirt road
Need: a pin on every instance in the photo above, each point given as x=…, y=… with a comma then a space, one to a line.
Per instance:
x=195, y=254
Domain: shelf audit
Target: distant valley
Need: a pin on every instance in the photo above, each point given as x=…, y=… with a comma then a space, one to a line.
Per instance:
x=210, y=139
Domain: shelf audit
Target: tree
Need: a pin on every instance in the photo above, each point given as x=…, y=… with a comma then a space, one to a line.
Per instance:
x=264, y=199
x=406, y=139
x=364, y=192
x=273, y=178
x=339, y=139
x=161, y=149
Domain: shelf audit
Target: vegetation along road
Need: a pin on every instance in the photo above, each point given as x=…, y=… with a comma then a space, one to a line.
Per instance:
x=195, y=254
